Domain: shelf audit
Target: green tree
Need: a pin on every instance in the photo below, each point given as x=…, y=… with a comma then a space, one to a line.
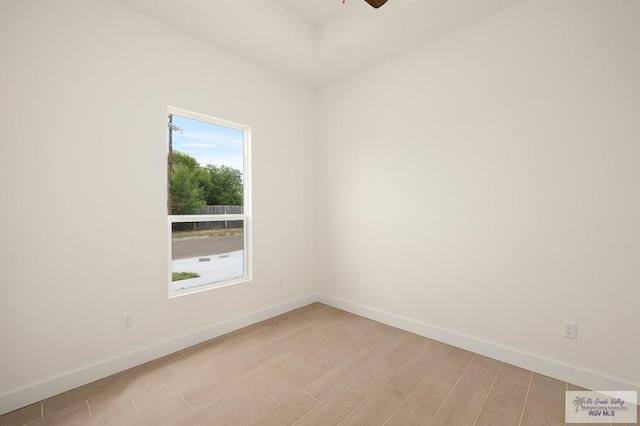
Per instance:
x=187, y=192
x=181, y=159
x=226, y=185
x=192, y=186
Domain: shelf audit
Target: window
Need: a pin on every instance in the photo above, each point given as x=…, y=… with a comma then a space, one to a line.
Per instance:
x=208, y=202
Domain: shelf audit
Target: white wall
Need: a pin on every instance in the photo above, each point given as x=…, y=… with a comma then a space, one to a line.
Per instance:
x=84, y=90
x=488, y=184
x=485, y=183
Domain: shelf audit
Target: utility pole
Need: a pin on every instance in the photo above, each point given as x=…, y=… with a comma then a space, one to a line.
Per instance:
x=172, y=128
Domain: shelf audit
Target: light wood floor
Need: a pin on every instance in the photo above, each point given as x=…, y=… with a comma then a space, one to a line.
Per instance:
x=313, y=366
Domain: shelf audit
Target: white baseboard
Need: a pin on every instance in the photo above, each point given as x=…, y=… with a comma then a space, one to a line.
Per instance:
x=38, y=391
x=549, y=367
x=73, y=379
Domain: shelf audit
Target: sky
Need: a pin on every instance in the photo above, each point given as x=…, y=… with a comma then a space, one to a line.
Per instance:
x=209, y=143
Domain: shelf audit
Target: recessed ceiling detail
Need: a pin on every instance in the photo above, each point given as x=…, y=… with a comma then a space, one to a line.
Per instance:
x=318, y=42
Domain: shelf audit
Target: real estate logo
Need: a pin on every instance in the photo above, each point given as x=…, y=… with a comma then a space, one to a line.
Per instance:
x=601, y=407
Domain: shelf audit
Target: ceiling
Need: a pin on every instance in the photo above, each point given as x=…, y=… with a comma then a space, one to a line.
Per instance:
x=318, y=42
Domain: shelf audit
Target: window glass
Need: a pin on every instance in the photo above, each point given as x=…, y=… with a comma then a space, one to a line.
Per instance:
x=206, y=182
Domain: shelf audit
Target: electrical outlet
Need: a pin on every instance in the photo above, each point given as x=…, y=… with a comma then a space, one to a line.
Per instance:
x=127, y=320
x=570, y=329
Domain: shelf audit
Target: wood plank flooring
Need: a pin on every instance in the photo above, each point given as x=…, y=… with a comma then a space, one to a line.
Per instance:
x=313, y=366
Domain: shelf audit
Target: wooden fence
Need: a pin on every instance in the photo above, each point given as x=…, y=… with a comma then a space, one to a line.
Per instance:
x=221, y=224
x=218, y=209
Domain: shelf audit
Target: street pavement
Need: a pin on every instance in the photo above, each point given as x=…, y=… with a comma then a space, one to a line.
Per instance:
x=184, y=248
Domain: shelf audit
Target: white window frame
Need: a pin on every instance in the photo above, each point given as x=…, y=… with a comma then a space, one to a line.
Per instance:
x=245, y=217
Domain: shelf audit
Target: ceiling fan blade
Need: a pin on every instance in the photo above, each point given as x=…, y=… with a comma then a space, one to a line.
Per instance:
x=376, y=3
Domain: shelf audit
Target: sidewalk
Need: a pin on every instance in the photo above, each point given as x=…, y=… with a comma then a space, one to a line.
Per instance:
x=219, y=268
